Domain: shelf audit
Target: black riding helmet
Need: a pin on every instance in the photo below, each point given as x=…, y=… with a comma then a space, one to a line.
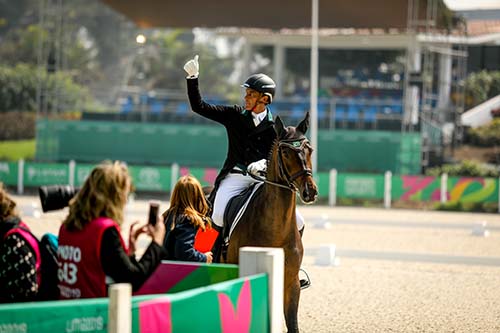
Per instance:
x=261, y=83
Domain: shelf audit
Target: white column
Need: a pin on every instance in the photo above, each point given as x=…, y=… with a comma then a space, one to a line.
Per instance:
x=444, y=187
x=120, y=308
x=279, y=64
x=174, y=176
x=20, y=176
x=247, y=54
x=444, y=79
x=332, y=193
x=387, y=189
x=71, y=173
x=256, y=260
x=314, y=83
x=414, y=54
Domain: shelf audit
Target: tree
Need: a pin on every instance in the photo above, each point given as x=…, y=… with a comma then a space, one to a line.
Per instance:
x=481, y=86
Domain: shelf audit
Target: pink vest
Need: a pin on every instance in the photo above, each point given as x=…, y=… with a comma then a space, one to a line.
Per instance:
x=79, y=254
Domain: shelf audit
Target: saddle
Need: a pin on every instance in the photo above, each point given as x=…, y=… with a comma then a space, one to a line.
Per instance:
x=234, y=211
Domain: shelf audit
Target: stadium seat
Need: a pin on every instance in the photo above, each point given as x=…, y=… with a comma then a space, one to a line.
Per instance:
x=156, y=106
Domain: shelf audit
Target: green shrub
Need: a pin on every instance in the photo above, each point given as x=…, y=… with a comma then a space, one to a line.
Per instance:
x=17, y=125
x=466, y=168
x=487, y=135
x=472, y=207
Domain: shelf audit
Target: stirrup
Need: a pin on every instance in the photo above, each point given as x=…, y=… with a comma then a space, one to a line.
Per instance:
x=305, y=283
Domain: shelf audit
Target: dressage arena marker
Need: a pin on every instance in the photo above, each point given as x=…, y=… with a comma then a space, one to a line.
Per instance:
x=325, y=256
x=322, y=222
x=479, y=229
x=31, y=210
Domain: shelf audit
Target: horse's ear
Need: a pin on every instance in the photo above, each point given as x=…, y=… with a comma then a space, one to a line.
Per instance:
x=304, y=124
x=279, y=127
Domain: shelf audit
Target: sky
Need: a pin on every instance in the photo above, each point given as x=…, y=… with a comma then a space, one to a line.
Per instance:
x=472, y=4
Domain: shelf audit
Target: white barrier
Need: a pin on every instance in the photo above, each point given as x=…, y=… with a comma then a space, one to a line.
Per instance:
x=120, y=308
x=255, y=260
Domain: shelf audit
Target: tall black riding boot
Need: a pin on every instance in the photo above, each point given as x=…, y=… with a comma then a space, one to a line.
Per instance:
x=304, y=283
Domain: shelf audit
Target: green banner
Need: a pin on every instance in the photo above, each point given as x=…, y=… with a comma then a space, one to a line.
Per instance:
x=36, y=174
x=360, y=186
x=82, y=171
x=8, y=173
x=150, y=178
x=87, y=315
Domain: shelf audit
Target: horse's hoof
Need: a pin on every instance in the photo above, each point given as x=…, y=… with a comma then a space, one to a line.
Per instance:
x=304, y=284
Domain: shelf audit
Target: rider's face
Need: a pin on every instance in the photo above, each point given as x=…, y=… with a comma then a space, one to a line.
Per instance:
x=251, y=98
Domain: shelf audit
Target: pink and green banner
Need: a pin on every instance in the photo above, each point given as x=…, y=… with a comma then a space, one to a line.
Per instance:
x=428, y=188
x=467, y=189
x=175, y=276
x=188, y=280
x=239, y=305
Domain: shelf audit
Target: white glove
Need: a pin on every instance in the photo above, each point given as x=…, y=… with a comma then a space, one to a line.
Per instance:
x=257, y=168
x=192, y=67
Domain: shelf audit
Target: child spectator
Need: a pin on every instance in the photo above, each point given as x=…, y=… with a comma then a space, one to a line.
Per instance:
x=187, y=213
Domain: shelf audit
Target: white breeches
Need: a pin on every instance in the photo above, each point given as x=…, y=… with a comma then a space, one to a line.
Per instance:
x=230, y=186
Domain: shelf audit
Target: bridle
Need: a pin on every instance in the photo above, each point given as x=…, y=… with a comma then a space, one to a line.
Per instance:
x=298, y=146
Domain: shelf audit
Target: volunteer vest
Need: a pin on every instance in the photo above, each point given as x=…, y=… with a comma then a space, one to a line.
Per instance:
x=80, y=271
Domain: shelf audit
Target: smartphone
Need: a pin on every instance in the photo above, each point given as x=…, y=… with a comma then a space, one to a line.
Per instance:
x=153, y=212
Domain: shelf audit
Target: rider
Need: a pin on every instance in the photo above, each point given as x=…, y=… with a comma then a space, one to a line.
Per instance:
x=250, y=132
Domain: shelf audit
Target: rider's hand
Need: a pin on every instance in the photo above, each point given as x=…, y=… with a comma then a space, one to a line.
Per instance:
x=258, y=168
x=192, y=67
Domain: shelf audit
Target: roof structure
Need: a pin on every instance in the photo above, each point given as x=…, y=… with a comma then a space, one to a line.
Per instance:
x=269, y=14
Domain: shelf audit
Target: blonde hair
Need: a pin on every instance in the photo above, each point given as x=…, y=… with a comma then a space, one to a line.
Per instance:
x=7, y=205
x=188, y=199
x=104, y=194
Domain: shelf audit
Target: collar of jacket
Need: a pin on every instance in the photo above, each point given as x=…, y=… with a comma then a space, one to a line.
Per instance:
x=249, y=113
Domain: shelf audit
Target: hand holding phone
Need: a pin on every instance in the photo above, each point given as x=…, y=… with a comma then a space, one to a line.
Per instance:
x=153, y=212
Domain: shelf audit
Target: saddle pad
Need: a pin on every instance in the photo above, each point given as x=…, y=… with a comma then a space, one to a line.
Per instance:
x=236, y=207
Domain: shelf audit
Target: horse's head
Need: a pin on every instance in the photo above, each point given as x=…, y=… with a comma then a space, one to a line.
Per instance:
x=294, y=159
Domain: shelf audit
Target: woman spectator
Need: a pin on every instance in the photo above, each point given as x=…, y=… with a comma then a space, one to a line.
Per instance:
x=187, y=213
x=92, y=253
x=20, y=260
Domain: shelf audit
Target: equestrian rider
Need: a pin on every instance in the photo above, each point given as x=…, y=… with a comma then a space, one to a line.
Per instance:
x=250, y=132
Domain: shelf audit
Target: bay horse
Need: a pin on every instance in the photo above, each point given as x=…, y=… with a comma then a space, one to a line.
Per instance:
x=269, y=220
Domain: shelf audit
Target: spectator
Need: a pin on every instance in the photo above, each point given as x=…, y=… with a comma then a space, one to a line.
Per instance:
x=19, y=255
x=187, y=213
x=92, y=253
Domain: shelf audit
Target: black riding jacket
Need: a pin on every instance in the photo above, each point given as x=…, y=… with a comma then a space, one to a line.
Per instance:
x=246, y=143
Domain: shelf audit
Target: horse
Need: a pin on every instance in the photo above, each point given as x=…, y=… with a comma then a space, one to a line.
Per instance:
x=269, y=220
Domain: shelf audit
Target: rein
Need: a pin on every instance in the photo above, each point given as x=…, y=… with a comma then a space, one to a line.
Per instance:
x=298, y=146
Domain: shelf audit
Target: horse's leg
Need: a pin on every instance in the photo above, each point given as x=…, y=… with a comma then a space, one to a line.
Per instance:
x=291, y=306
